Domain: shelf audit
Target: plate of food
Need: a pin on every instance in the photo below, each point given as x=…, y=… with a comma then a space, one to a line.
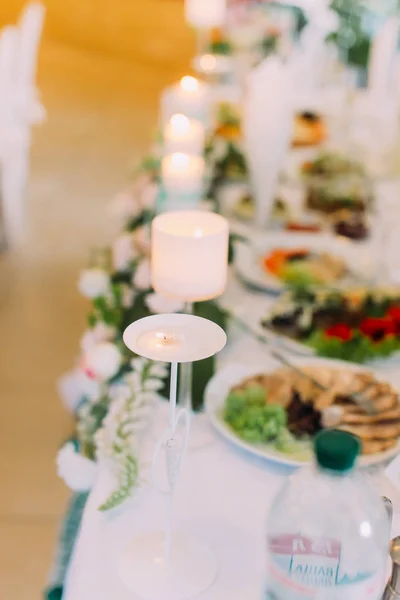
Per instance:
x=334, y=183
x=309, y=130
x=293, y=259
x=359, y=325
x=274, y=412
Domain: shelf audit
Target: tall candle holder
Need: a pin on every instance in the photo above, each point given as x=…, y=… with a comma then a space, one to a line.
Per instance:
x=189, y=263
x=167, y=565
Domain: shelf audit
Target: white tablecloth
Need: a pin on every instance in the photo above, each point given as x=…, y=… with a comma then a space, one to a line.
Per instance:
x=223, y=497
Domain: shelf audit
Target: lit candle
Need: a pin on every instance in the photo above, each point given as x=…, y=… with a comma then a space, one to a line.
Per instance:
x=163, y=342
x=190, y=97
x=190, y=255
x=205, y=14
x=183, y=178
x=184, y=135
x=213, y=64
x=174, y=338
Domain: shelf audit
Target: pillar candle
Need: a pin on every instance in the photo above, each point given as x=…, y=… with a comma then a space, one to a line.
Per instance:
x=182, y=134
x=190, y=255
x=190, y=97
x=205, y=14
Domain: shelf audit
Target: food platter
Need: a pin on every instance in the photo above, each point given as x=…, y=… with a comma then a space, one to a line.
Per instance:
x=233, y=375
x=249, y=259
x=357, y=324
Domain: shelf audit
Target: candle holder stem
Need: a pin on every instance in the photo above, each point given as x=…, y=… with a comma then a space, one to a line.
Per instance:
x=172, y=397
x=186, y=373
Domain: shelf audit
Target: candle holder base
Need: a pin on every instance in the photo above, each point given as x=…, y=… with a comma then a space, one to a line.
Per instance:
x=190, y=570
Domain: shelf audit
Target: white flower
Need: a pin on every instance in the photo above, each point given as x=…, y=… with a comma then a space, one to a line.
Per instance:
x=94, y=283
x=142, y=276
x=119, y=390
x=103, y=361
x=125, y=205
x=138, y=364
x=142, y=237
x=159, y=369
x=158, y=303
x=100, y=333
x=90, y=388
x=153, y=385
x=123, y=252
x=149, y=196
x=134, y=381
x=128, y=295
x=78, y=472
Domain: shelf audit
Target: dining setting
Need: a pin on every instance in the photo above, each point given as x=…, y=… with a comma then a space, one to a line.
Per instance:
x=245, y=324
x=235, y=394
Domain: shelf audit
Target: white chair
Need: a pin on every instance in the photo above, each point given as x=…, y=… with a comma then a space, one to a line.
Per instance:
x=20, y=108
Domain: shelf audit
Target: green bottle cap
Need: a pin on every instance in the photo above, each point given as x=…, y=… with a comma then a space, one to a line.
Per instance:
x=336, y=450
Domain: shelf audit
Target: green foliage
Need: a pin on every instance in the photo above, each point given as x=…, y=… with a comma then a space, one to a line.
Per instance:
x=127, y=480
x=360, y=349
x=203, y=370
x=90, y=419
x=144, y=218
x=222, y=47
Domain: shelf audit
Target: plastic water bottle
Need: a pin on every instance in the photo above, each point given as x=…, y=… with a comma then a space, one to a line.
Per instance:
x=328, y=531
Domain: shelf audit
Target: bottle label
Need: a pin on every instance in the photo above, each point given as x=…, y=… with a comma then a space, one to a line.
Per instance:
x=304, y=568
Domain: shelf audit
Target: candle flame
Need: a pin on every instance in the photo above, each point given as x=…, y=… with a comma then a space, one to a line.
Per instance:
x=189, y=84
x=165, y=339
x=179, y=160
x=162, y=336
x=208, y=62
x=180, y=124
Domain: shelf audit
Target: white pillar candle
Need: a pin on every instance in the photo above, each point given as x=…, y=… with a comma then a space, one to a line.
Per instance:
x=182, y=134
x=190, y=255
x=183, y=176
x=190, y=97
x=205, y=14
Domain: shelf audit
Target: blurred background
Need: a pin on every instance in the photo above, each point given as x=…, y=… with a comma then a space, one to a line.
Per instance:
x=101, y=68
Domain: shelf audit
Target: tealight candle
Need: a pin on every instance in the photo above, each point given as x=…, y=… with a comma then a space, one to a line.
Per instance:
x=174, y=338
x=162, y=342
x=190, y=97
x=182, y=134
x=205, y=14
x=183, y=177
x=190, y=255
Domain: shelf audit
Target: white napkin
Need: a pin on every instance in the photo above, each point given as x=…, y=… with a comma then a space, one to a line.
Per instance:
x=268, y=126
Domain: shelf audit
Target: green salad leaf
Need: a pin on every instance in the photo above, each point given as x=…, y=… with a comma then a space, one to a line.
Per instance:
x=253, y=419
x=360, y=349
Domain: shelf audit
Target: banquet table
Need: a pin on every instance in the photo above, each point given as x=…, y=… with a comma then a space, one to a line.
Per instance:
x=223, y=496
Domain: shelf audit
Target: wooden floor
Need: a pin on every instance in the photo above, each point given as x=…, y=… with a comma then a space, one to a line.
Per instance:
x=101, y=116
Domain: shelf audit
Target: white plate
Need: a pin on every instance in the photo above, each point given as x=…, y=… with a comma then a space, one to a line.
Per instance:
x=232, y=375
x=248, y=257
